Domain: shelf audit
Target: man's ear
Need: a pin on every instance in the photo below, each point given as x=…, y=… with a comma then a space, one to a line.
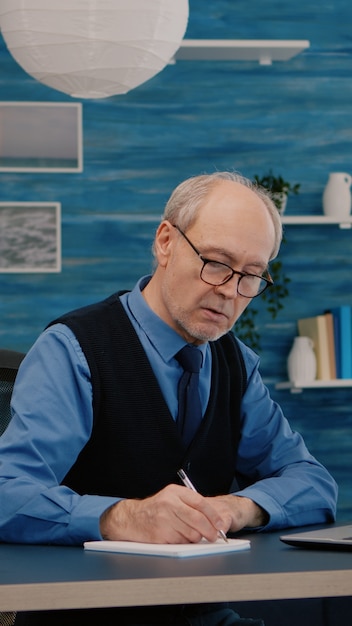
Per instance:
x=163, y=242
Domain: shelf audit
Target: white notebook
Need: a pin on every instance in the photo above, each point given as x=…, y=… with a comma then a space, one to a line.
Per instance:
x=181, y=550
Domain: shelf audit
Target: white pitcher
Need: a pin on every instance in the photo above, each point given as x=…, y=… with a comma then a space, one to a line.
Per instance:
x=302, y=362
x=337, y=195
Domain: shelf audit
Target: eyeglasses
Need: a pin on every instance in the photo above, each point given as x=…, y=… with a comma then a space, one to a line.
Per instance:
x=216, y=274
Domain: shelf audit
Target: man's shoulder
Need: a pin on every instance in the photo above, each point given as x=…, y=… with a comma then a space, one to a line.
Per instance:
x=93, y=310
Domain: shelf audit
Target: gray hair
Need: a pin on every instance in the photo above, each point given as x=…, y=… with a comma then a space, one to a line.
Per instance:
x=185, y=201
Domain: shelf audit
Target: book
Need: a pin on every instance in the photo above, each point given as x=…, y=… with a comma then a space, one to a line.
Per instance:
x=331, y=343
x=178, y=550
x=343, y=339
x=316, y=329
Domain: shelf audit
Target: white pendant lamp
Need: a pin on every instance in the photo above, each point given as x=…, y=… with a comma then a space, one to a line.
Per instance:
x=93, y=48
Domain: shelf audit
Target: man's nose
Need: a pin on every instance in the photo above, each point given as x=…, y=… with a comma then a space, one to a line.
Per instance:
x=230, y=288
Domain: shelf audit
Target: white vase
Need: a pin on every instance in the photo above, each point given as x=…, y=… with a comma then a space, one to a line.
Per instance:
x=337, y=195
x=301, y=361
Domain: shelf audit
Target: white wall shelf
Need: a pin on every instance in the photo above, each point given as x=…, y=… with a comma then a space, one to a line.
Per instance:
x=346, y=222
x=265, y=51
x=297, y=387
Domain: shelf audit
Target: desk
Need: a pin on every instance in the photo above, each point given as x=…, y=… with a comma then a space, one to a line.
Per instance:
x=55, y=577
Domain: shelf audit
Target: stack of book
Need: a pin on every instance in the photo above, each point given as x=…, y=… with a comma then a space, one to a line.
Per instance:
x=331, y=334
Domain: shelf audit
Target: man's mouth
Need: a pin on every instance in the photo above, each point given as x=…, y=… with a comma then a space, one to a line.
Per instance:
x=215, y=313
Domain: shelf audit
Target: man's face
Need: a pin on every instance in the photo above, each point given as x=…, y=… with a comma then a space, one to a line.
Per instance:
x=233, y=227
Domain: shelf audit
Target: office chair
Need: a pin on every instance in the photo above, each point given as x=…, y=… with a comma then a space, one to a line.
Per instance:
x=9, y=364
x=7, y=619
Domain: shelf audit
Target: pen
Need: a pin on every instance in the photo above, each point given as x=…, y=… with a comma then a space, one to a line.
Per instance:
x=187, y=483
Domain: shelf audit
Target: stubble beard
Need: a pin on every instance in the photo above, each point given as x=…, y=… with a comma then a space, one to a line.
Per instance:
x=200, y=332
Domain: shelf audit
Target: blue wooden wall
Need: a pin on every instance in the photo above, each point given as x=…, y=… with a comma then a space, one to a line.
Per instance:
x=194, y=117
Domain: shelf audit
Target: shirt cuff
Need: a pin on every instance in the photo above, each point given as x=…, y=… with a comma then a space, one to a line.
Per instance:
x=85, y=519
x=276, y=517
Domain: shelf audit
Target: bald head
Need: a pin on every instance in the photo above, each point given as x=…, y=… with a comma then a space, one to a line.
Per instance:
x=188, y=198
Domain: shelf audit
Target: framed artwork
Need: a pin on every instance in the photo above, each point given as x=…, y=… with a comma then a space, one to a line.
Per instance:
x=41, y=137
x=30, y=237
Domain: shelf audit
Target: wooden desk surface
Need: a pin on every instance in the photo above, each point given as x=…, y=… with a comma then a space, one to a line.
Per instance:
x=54, y=577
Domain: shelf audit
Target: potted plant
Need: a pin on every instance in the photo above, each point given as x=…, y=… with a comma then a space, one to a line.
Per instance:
x=246, y=328
x=279, y=187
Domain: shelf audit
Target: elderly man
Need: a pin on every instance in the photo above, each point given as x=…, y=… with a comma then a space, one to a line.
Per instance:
x=94, y=446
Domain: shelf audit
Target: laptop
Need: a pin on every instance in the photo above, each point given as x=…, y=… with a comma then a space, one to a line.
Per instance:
x=328, y=538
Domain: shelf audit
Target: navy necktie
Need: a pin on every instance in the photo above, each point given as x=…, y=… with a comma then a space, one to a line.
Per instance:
x=189, y=405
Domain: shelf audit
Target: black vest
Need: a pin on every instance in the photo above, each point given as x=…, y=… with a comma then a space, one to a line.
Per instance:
x=135, y=449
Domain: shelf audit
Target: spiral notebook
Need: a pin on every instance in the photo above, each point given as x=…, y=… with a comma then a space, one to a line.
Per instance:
x=181, y=550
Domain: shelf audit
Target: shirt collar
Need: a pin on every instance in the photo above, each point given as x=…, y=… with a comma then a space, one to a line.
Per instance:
x=163, y=338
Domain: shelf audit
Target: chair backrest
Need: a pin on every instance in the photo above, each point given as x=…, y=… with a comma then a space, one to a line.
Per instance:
x=9, y=364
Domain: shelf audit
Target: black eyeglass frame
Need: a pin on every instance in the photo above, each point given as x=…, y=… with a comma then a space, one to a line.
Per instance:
x=268, y=280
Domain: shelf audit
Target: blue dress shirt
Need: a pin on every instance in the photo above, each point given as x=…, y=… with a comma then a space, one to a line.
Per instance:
x=52, y=421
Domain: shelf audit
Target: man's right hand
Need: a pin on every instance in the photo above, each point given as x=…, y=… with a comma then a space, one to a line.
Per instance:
x=173, y=515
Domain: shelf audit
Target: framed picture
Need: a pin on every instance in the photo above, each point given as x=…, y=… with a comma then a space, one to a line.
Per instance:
x=41, y=137
x=30, y=237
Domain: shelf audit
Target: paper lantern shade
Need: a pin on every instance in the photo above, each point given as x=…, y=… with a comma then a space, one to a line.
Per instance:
x=93, y=48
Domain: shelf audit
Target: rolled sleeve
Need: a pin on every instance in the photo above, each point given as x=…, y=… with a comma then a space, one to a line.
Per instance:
x=275, y=468
x=52, y=421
